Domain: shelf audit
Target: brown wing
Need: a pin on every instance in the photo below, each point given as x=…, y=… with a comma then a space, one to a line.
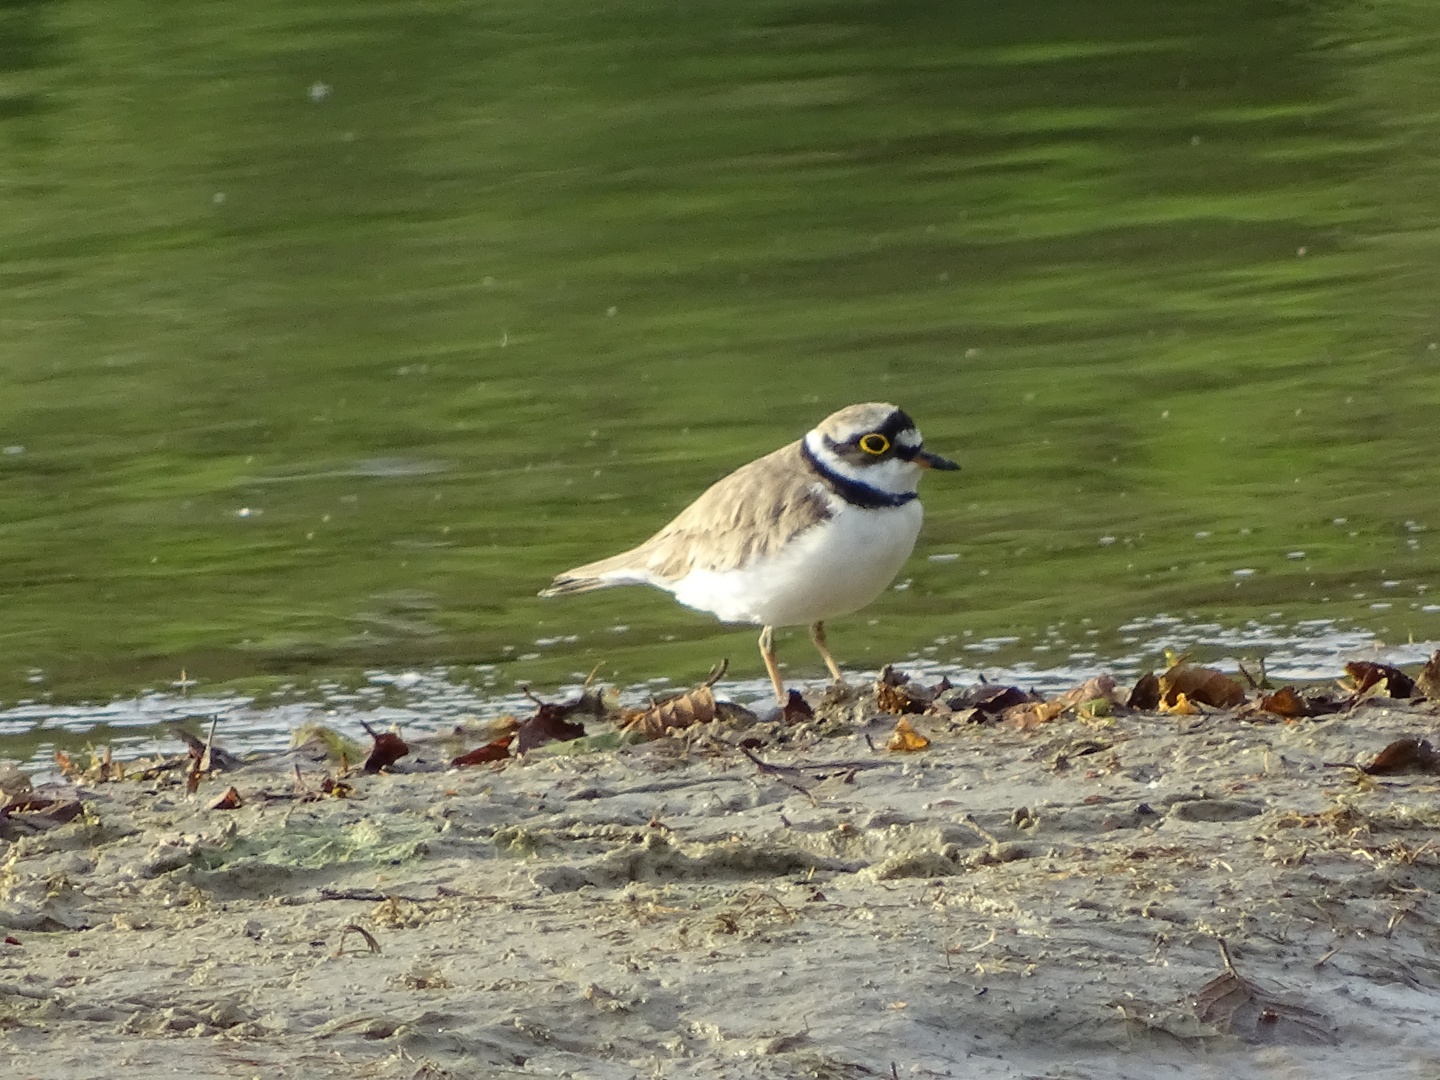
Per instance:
x=752, y=512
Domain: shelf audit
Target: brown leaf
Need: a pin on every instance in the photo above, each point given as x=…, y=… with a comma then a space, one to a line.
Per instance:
x=894, y=700
x=498, y=750
x=693, y=707
x=1032, y=714
x=1287, y=703
x=68, y=768
x=796, y=709
x=1200, y=685
x=896, y=693
x=890, y=675
x=41, y=811
x=546, y=726
x=1100, y=687
x=990, y=698
x=1146, y=693
x=905, y=739
x=210, y=756
x=388, y=749
x=1366, y=676
x=1235, y=1005
x=229, y=801
x=1404, y=756
x=1428, y=681
x=335, y=788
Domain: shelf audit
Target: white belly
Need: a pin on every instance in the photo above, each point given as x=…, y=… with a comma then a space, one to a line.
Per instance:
x=835, y=568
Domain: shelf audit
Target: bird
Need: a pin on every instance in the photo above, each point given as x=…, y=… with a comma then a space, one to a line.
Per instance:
x=809, y=532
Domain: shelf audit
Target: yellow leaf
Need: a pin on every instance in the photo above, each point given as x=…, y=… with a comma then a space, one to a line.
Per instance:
x=1182, y=707
x=906, y=739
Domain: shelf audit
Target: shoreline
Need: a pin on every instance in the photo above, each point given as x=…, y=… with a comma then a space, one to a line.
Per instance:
x=1009, y=901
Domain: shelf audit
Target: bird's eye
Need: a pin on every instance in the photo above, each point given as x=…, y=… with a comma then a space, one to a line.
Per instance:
x=875, y=443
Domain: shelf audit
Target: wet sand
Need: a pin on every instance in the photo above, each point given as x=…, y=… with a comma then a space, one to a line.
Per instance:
x=1006, y=903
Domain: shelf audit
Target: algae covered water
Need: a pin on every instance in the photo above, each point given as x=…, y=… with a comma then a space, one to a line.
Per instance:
x=328, y=334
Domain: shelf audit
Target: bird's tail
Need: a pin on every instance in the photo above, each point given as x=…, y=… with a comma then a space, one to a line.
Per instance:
x=627, y=568
x=565, y=584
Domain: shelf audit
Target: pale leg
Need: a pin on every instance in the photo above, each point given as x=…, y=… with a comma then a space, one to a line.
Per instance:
x=818, y=633
x=767, y=653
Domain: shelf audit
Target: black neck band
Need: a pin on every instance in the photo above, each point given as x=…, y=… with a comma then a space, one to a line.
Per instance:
x=852, y=491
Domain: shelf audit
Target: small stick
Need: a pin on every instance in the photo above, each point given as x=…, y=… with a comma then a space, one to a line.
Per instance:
x=205, y=758
x=356, y=928
x=717, y=673
x=1225, y=956
x=979, y=830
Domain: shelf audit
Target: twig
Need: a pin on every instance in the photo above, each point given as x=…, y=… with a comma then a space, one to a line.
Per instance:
x=979, y=830
x=822, y=766
x=717, y=673
x=1225, y=956
x=357, y=929
x=207, y=757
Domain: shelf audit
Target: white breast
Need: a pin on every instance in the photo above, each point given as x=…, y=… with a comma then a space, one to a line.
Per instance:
x=832, y=569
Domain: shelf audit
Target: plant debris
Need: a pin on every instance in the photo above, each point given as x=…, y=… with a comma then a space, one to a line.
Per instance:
x=682, y=710
x=1185, y=682
x=1235, y=1005
x=1404, y=756
x=1377, y=680
x=906, y=739
x=549, y=724
x=1132, y=839
x=796, y=709
x=498, y=750
x=388, y=749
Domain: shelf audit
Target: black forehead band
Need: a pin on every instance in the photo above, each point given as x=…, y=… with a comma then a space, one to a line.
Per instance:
x=894, y=424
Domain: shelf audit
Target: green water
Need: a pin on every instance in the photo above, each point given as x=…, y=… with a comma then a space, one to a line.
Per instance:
x=330, y=332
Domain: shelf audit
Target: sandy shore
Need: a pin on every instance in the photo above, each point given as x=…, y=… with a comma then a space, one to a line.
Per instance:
x=1005, y=903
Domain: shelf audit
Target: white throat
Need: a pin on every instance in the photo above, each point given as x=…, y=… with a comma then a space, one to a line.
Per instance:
x=894, y=476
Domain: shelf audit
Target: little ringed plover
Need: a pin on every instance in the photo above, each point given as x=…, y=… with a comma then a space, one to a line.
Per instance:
x=815, y=530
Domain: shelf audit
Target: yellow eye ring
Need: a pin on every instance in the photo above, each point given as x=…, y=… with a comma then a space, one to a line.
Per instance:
x=875, y=443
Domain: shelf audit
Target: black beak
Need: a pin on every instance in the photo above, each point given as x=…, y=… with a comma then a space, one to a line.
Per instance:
x=927, y=460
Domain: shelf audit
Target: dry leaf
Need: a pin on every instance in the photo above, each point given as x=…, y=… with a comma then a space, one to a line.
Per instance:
x=1404, y=756
x=906, y=739
x=1235, y=1005
x=992, y=699
x=1146, y=693
x=1200, y=685
x=388, y=749
x=1366, y=677
x=498, y=750
x=1428, y=681
x=896, y=694
x=1181, y=707
x=693, y=707
x=41, y=811
x=894, y=700
x=229, y=801
x=1033, y=714
x=796, y=709
x=1287, y=703
x=1100, y=687
x=546, y=726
